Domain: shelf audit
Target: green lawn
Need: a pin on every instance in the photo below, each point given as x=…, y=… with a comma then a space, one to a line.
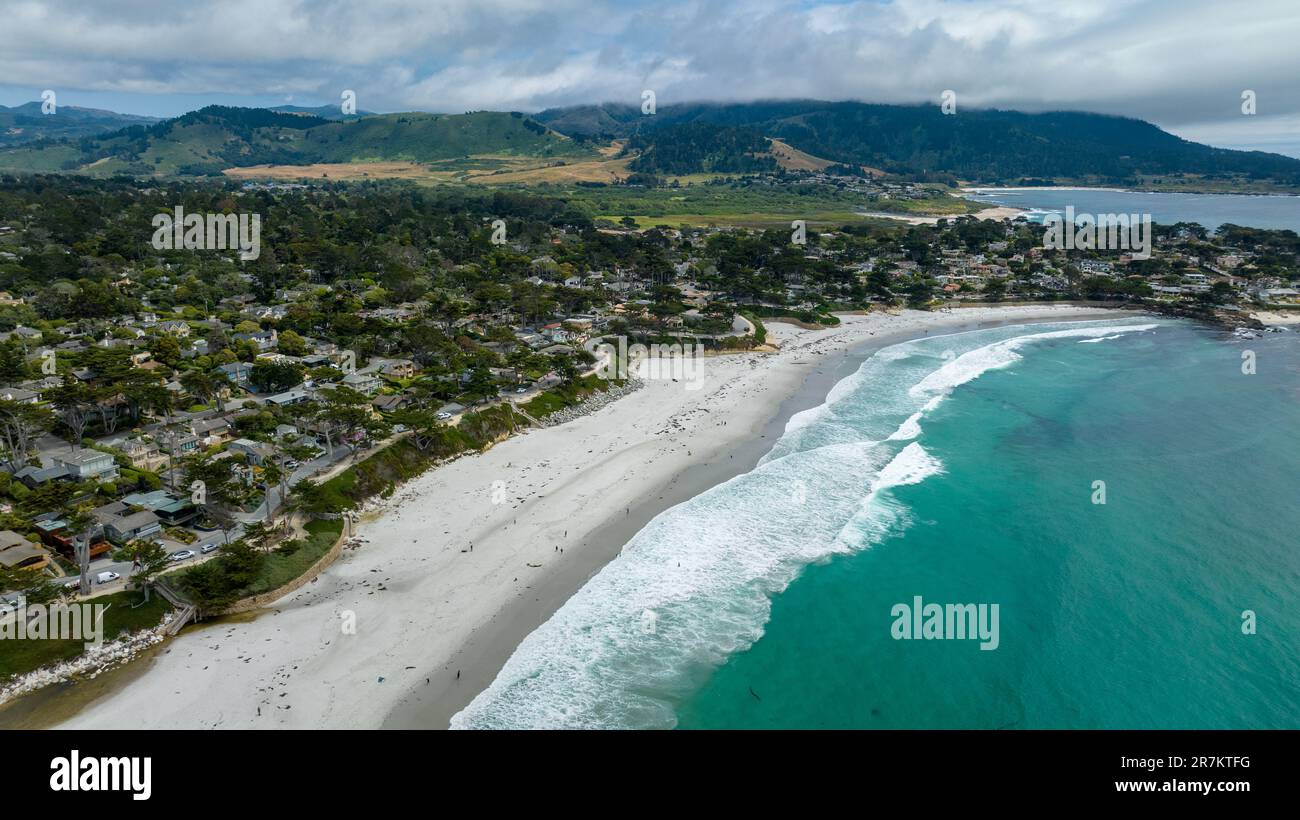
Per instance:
x=125, y=614
x=279, y=569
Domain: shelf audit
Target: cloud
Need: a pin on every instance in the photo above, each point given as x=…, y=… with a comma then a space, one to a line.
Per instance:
x=1180, y=63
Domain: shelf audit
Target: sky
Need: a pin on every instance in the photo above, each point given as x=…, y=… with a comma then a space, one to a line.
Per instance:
x=1182, y=64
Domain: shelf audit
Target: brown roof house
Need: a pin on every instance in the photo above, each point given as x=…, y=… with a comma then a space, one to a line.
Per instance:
x=17, y=552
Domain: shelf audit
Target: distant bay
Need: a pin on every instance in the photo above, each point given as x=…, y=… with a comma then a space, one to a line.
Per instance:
x=1208, y=210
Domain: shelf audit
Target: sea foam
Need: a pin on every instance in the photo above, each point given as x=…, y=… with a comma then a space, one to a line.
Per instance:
x=696, y=584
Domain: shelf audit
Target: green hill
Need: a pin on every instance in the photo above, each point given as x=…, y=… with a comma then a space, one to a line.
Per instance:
x=986, y=145
x=217, y=137
x=698, y=147
x=26, y=124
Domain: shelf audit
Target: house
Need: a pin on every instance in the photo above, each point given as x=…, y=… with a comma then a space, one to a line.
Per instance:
x=86, y=464
x=178, y=329
x=19, y=395
x=53, y=531
x=144, y=455
x=315, y=360
x=255, y=453
x=367, y=383
x=211, y=431
x=392, y=403
x=171, y=510
x=179, y=444
x=130, y=527
x=34, y=477
x=17, y=552
x=399, y=369
x=295, y=396
x=264, y=340
x=237, y=372
x=110, y=512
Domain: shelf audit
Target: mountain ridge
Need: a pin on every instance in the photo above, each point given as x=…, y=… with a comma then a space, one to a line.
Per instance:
x=919, y=141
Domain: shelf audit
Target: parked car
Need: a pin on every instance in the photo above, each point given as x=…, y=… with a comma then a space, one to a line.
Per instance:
x=207, y=548
x=521, y=390
x=106, y=577
x=73, y=584
x=443, y=416
x=181, y=555
x=291, y=465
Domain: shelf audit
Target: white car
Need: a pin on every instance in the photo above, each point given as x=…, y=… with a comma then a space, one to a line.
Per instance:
x=181, y=555
x=207, y=548
x=443, y=416
x=106, y=577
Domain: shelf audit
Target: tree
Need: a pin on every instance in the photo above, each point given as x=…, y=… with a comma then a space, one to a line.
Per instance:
x=275, y=377
x=995, y=288
x=274, y=474
x=83, y=527
x=34, y=585
x=346, y=411
x=74, y=401
x=221, y=489
x=292, y=344
x=258, y=534
x=167, y=350
x=20, y=426
x=148, y=559
x=206, y=385
x=220, y=582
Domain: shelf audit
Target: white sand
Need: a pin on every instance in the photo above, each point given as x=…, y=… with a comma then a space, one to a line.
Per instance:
x=1275, y=317
x=999, y=212
x=420, y=599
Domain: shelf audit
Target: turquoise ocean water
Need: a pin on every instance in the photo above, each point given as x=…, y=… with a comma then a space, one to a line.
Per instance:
x=962, y=469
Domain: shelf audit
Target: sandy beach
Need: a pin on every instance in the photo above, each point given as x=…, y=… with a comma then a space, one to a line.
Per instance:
x=1277, y=317
x=466, y=560
x=997, y=213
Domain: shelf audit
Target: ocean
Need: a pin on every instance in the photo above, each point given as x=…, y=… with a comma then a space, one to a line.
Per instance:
x=967, y=469
x=1208, y=210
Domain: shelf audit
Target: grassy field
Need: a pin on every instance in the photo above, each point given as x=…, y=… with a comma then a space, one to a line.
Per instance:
x=125, y=614
x=334, y=170
x=281, y=568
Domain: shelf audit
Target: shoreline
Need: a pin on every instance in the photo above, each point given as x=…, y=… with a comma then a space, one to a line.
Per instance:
x=994, y=189
x=431, y=611
x=483, y=656
x=993, y=212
